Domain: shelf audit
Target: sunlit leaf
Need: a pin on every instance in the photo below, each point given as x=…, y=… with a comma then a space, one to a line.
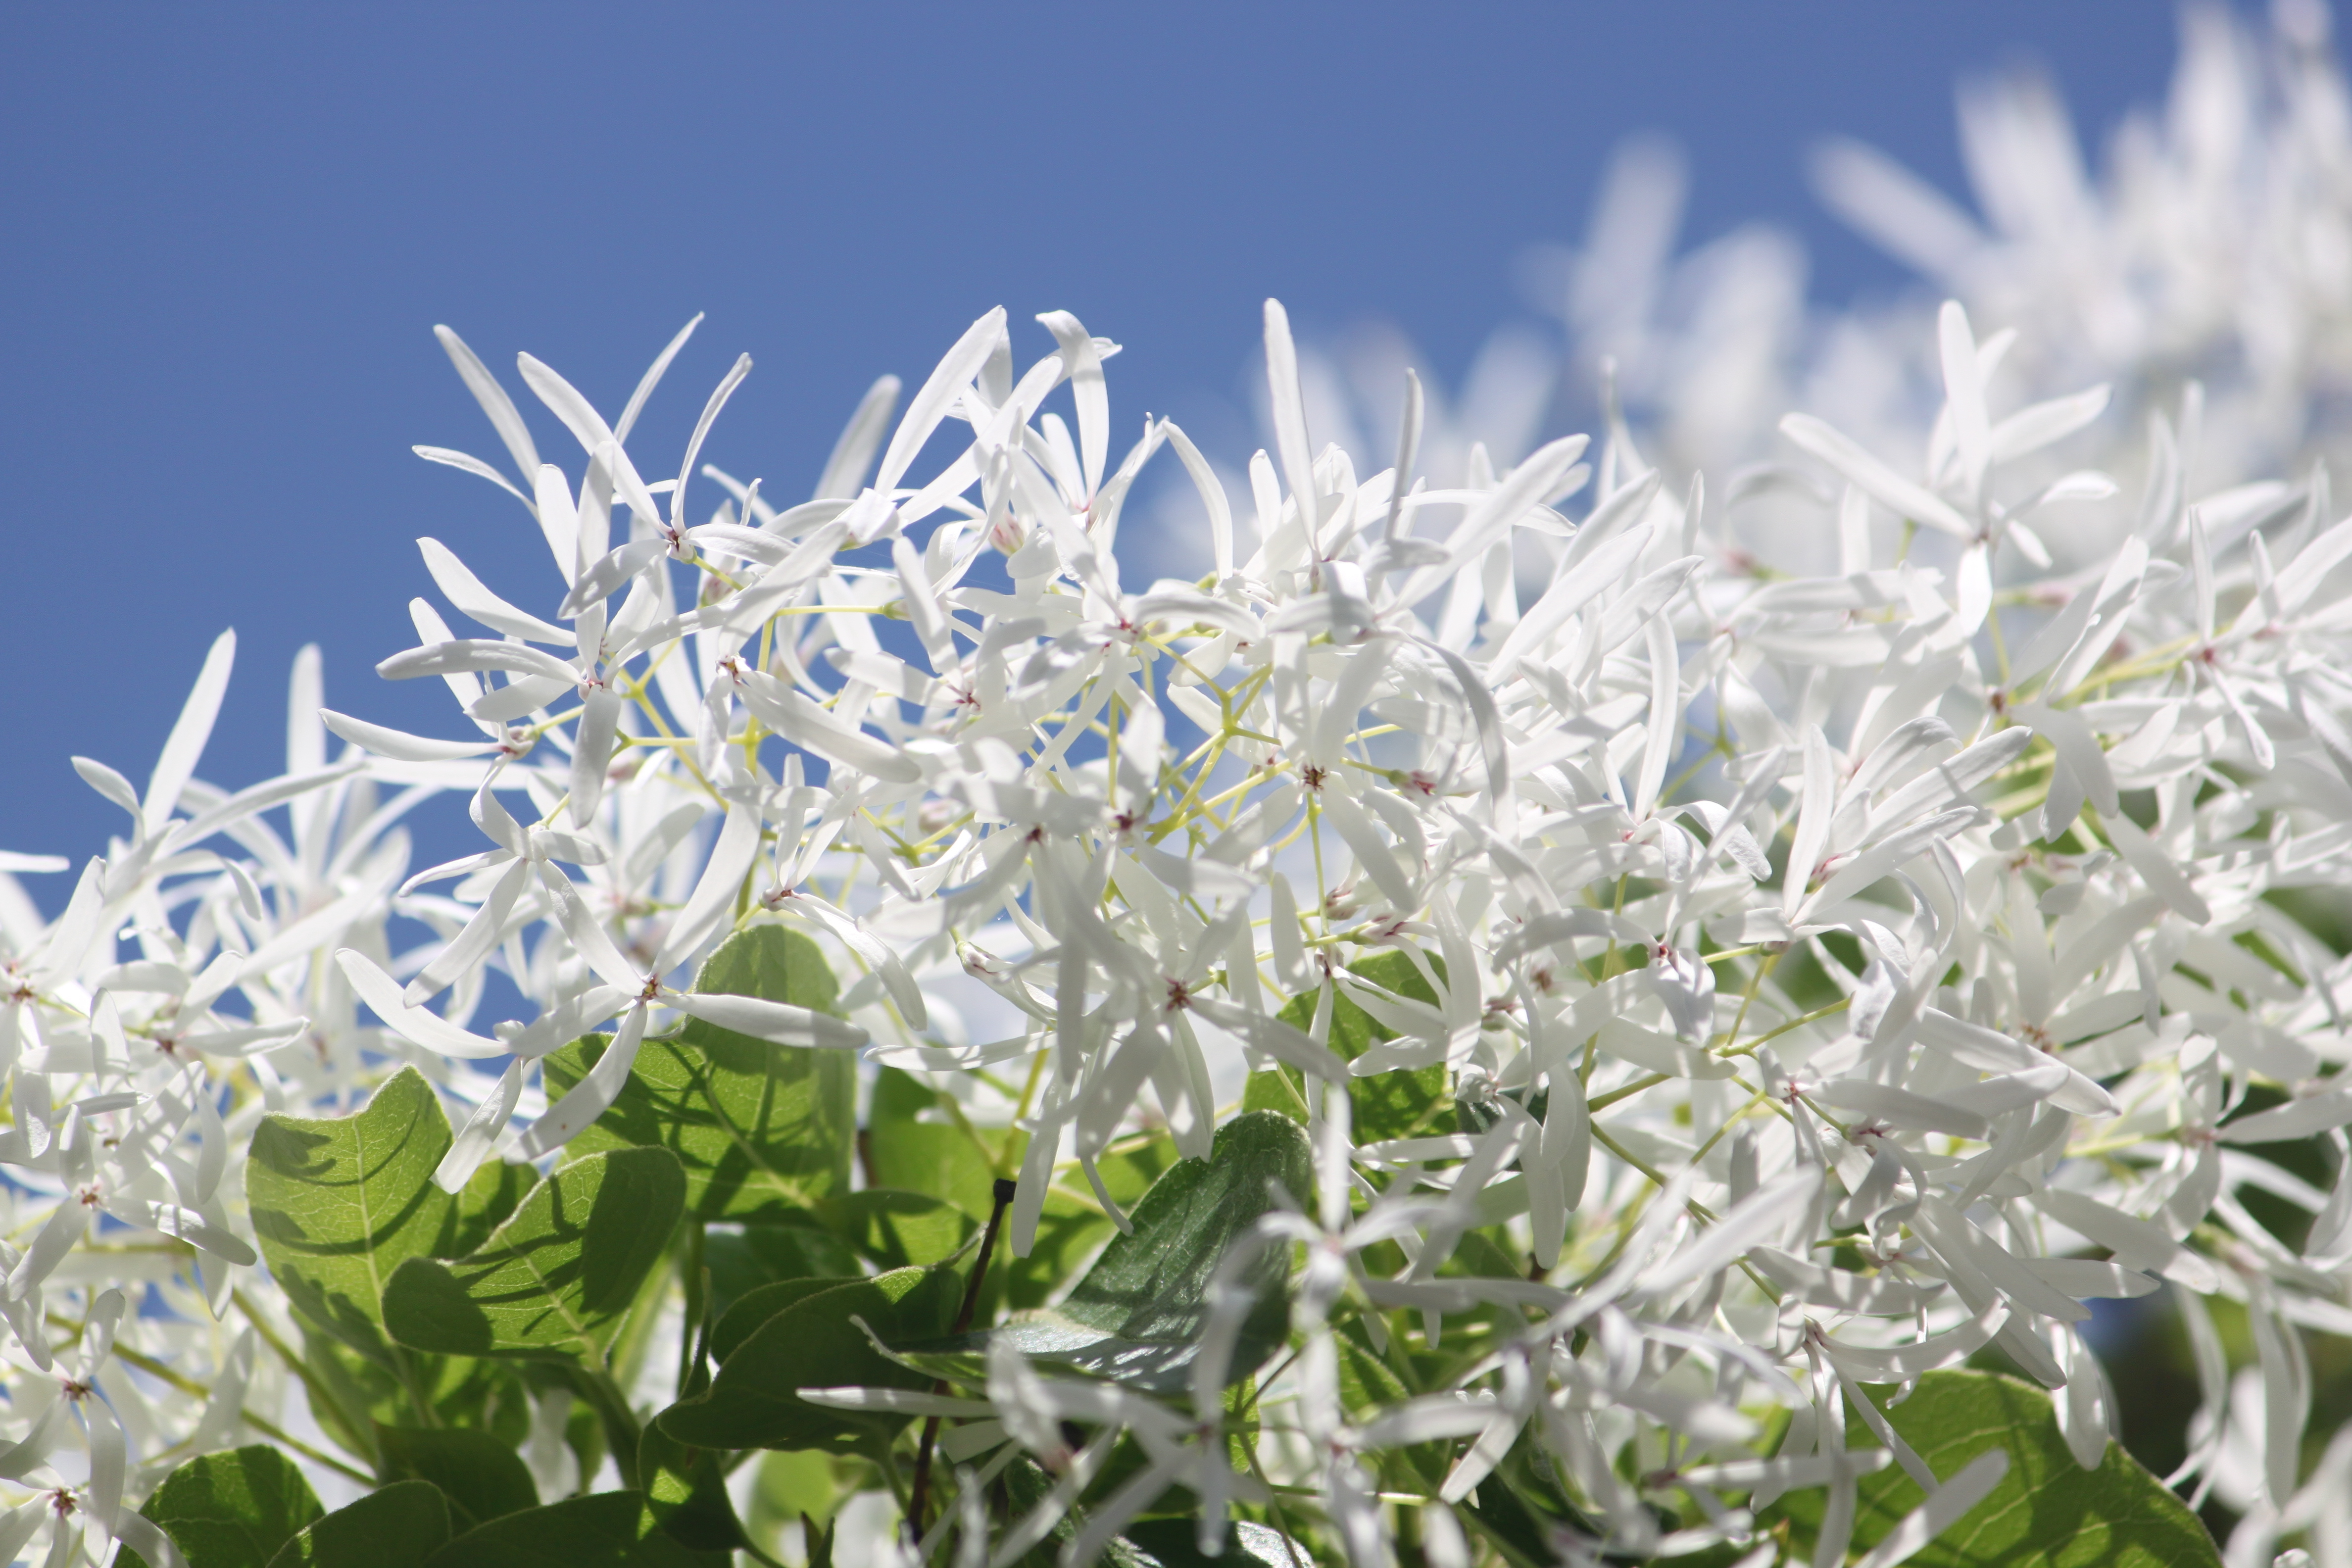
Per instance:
x=2047, y=1512
x=762, y=1129
x=397, y=1526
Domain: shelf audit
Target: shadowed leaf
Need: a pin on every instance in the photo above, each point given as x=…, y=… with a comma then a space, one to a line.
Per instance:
x=482, y=1477
x=398, y=1526
x=556, y=1279
x=609, y=1530
x=1397, y=1103
x=810, y=1343
x=1137, y=1315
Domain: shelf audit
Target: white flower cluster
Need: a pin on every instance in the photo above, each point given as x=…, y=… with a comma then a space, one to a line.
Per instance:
x=1847, y=970
x=2202, y=273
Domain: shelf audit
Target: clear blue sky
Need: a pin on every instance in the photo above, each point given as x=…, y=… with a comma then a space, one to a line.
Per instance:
x=230, y=229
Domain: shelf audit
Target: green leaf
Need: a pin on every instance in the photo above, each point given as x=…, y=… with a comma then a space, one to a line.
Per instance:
x=339, y=1205
x=756, y=1307
x=743, y=1258
x=481, y=1477
x=609, y=1530
x=762, y=1129
x=812, y=1344
x=1069, y=1232
x=364, y=1393
x=398, y=1526
x=1153, y=1284
x=937, y=1158
x=231, y=1509
x=556, y=1278
x=897, y=1229
x=1025, y=1486
x=1138, y=1314
x=1072, y=1228
x=497, y=1190
x=686, y=1490
x=1394, y=1104
x=2047, y=1512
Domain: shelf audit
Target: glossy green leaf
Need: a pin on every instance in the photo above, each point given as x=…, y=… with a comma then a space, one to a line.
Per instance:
x=1069, y=1230
x=760, y=1130
x=481, y=1477
x=1138, y=1314
x=1154, y=1282
x=557, y=1278
x=2047, y=1512
x=398, y=1526
x=686, y=1490
x=339, y=1205
x=231, y=1509
x=813, y=1344
x=1399, y=1103
x=609, y=1530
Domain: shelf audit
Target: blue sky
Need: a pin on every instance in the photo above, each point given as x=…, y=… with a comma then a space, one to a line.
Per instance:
x=229, y=231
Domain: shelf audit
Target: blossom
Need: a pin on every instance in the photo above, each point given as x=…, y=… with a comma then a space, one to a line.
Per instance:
x=1830, y=912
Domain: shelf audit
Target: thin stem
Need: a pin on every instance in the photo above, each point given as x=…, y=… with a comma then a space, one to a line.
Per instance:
x=1814, y=1016
x=918, y=1494
x=300, y=1368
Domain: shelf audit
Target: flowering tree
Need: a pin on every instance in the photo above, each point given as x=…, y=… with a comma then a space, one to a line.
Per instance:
x=1493, y=1025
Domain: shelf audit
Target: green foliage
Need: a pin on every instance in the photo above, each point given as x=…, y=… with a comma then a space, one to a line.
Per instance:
x=812, y=1342
x=1399, y=1103
x=2047, y=1512
x=363, y=1394
x=398, y=1526
x=686, y=1488
x=231, y=1509
x=743, y=1258
x=427, y=1319
x=790, y=1487
x=941, y=1158
x=763, y=1130
x=1138, y=1314
x=609, y=1530
x=744, y=1318
x=556, y=1278
x=481, y=1477
x=339, y=1205
x=896, y=1229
